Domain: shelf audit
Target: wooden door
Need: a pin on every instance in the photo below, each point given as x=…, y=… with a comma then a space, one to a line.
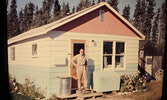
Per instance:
x=76, y=45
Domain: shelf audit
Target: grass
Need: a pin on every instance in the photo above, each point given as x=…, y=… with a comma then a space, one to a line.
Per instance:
x=154, y=92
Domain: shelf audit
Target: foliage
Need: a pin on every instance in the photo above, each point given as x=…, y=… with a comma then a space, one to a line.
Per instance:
x=53, y=97
x=83, y=4
x=126, y=12
x=114, y=4
x=131, y=83
x=27, y=90
x=12, y=23
x=155, y=30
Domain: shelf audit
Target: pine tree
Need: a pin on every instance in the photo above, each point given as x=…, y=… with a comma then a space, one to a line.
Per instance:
x=37, y=18
x=161, y=41
x=93, y=2
x=65, y=10
x=155, y=29
x=20, y=21
x=143, y=17
x=126, y=12
x=30, y=14
x=25, y=20
x=56, y=10
x=137, y=15
x=73, y=10
x=149, y=16
x=83, y=4
x=12, y=24
x=114, y=4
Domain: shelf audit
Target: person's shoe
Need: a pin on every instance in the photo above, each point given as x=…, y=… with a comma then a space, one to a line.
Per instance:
x=86, y=89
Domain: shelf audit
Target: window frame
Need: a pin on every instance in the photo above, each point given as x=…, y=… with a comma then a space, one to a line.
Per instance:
x=101, y=15
x=110, y=66
x=12, y=54
x=113, y=67
x=36, y=54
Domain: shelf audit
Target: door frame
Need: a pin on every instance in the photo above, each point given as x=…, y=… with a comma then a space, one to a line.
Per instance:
x=72, y=46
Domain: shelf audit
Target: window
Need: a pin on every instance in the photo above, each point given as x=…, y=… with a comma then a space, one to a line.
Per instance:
x=113, y=54
x=107, y=54
x=34, y=49
x=119, y=56
x=101, y=15
x=12, y=53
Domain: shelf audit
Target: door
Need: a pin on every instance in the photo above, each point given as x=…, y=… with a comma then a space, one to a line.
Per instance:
x=76, y=45
x=148, y=66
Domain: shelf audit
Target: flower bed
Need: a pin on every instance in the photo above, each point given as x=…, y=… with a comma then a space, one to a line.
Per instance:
x=133, y=83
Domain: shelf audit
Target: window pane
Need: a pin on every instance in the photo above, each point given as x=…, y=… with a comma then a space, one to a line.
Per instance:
x=107, y=60
x=34, y=49
x=119, y=61
x=107, y=48
x=119, y=47
x=101, y=15
x=12, y=53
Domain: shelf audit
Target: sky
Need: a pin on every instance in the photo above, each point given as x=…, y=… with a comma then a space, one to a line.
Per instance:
x=72, y=3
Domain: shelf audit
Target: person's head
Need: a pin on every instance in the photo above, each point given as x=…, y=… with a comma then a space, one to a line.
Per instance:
x=81, y=51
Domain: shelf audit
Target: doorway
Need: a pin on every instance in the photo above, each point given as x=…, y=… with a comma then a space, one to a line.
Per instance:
x=76, y=45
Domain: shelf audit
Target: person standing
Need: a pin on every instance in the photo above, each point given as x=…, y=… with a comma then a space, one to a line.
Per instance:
x=80, y=62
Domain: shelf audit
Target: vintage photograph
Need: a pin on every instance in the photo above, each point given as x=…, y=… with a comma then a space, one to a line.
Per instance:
x=86, y=49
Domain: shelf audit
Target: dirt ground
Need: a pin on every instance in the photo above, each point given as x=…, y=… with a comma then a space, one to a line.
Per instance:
x=154, y=93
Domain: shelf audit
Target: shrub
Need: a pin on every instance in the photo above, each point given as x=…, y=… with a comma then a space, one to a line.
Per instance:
x=131, y=83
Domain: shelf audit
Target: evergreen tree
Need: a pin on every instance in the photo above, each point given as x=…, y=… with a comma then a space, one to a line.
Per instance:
x=93, y=2
x=65, y=10
x=47, y=6
x=126, y=12
x=161, y=41
x=20, y=21
x=83, y=4
x=37, y=18
x=155, y=29
x=30, y=14
x=56, y=10
x=25, y=20
x=149, y=16
x=143, y=17
x=137, y=15
x=73, y=10
x=114, y=4
x=12, y=25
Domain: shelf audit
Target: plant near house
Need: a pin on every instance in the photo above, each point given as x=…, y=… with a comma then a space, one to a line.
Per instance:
x=131, y=83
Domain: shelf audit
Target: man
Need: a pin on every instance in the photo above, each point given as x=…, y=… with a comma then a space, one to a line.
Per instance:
x=80, y=62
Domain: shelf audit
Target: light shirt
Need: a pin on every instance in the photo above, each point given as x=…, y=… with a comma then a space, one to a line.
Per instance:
x=79, y=60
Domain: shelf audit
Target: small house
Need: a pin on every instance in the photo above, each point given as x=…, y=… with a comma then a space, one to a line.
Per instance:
x=110, y=43
x=150, y=59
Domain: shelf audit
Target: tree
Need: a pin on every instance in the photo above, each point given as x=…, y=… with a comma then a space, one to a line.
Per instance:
x=83, y=4
x=20, y=21
x=93, y=2
x=65, y=10
x=47, y=6
x=73, y=10
x=12, y=24
x=56, y=10
x=25, y=20
x=114, y=4
x=126, y=12
x=30, y=14
x=155, y=29
x=162, y=31
x=137, y=15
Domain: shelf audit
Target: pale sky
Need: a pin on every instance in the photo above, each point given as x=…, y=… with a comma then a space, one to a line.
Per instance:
x=121, y=5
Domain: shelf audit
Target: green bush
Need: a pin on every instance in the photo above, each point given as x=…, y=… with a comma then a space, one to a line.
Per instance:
x=131, y=83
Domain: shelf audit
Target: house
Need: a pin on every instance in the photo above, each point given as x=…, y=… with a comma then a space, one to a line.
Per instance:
x=110, y=43
x=150, y=59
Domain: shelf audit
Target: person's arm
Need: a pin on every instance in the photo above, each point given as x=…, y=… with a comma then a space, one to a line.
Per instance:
x=73, y=60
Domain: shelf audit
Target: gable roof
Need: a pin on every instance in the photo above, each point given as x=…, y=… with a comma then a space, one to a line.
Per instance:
x=48, y=27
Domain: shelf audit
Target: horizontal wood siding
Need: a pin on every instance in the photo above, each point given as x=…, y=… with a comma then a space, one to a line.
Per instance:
x=23, y=53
